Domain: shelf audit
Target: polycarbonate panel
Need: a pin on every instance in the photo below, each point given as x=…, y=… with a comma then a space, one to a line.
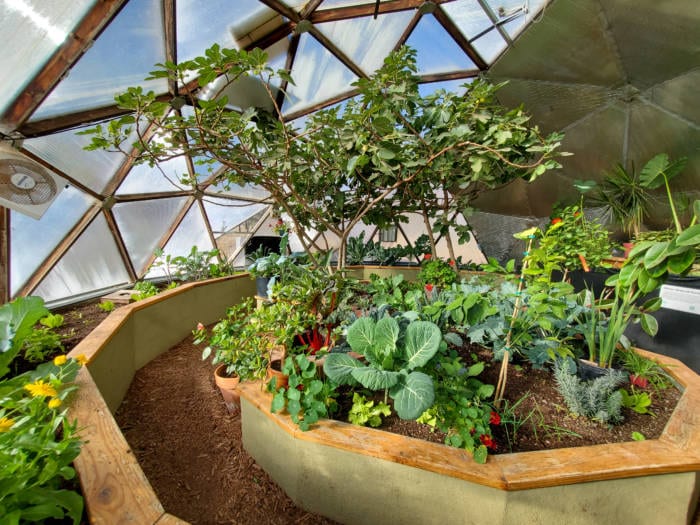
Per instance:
x=328, y=4
x=92, y=263
x=222, y=19
x=437, y=52
x=121, y=57
x=653, y=131
x=456, y=86
x=553, y=105
x=66, y=151
x=318, y=76
x=567, y=45
x=468, y=16
x=516, y=26
x=367, y=41
x=225, y=214
x=247, y=191
x=679, y=95
x=657, y=40
x=490, y=45
x=165, y=176
x=191, y=232
x=33, y=32
x=142, y=225
x=32, y=240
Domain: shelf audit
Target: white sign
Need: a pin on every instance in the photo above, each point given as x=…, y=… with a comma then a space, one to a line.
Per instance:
x=680, y=298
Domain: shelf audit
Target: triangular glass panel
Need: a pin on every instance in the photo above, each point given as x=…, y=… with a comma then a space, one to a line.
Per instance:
x=33, y=240
x=490, y=45
x=523, y=13
x=246, y=191
x=456, y=86
x=92, y=263
x=318, y=76
x=122, y=56
x=367, y=41
x=224, y=21
x=468, y=16
x=33, y=33
x=143, y=224
x=66, y=152
x=191, y=232
x=437, y=52
x=164, y=176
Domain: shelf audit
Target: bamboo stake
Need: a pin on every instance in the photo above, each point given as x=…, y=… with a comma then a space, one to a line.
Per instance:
x=503, y=374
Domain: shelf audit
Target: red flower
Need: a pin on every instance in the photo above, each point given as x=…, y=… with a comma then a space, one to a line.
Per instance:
x=576, y=214
x=429, y=288
x=451, y=262
x=495, y=419
x=641, y=382
x=556, y=220
x=486, y=440
x=200, y=326
x=427, y=256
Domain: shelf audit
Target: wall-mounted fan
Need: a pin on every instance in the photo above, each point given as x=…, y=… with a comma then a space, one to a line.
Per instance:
x=25, y=185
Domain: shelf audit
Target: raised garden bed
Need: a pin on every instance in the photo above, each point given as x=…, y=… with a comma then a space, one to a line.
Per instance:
x=507, y=486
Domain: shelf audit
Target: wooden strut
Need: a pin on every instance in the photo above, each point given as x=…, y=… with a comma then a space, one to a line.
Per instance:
x=503, y=374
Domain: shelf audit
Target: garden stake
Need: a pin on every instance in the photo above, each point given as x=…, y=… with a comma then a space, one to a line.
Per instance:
x=503, y=374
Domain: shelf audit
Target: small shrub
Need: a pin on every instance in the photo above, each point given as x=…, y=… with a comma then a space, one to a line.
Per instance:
x=597, y=399
x=40, y=344
x=364, y=412
x=145, y=289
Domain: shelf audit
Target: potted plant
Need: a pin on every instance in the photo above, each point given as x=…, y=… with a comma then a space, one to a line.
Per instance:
x=240, y=345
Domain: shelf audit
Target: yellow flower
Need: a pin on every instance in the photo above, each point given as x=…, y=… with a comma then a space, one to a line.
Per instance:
x=6, y=424
x=81, y=359
x=59, y=360
x=39, y=389
x=54, y=403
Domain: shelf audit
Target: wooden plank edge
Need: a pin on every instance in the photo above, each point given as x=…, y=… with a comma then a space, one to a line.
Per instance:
x=114, y=486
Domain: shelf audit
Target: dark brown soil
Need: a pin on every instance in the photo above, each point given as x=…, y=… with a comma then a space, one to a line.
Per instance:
x=190, y=447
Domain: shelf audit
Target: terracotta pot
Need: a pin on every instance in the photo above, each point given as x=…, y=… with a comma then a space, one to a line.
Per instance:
x=228, y=386
x=275, y=370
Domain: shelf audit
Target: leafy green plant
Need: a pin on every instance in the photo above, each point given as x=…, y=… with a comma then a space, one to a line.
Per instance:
x=52, y=321
x=242, y=341
x=393, y=356
x=643, y=370
x=637, y=401
x=17, y=320
x=460, y=409
x=437, y=272
x=106, y=306
x=144, y=289
x=40, y=344
x=307, y=397
x=194, y=266
x=598, y=399
x=577, y=242
x=38, y=445
x=357, y=250
x=638, y=436
x=365, y=412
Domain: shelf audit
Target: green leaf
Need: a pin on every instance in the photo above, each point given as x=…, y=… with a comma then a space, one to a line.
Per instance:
x=475, y=369
x=651, y=175
x=689, y=237
x=480, y=454
x=278, y=401
x=361, y=335
x=386, y=333
x=422, y=341
x=649, y=324
x=656, y=254
x=453, y=338
x=413, y=396
x=680, y=263
x=375, y=379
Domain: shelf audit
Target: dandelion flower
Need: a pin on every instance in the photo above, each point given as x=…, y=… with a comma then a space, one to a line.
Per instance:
x=54, y=403
x=6, y=423
x=40, y=389
x=81, y=359
x=59, y=360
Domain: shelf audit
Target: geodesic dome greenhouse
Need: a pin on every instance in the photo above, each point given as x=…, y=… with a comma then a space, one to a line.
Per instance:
x=618, y=77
